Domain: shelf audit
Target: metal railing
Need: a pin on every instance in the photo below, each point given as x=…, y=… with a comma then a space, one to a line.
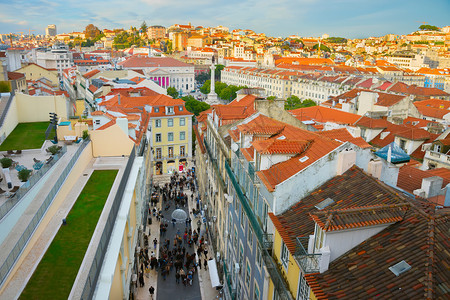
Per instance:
x=229, y=282
x=28, y=232
x=215, y=165
x=37, y=175
x=265, y=240
x=94, y=271
x=6, y=109
x=309, y=262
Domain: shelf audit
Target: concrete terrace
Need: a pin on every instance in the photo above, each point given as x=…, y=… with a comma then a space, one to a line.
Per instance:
x=50, y=223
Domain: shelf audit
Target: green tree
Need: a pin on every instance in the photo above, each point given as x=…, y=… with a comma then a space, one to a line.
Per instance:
x=171, y=91
x=202, y=77
x=144, y=27
x=429, y=27
x=219, y=86
x=322, y=47
x=271, y=98
x=194, y=106
x=292, y=102
x=218, y=72
x=205, y=87
x=226, y=94
x=336, y=40
x=91, y=31
x=98, y=37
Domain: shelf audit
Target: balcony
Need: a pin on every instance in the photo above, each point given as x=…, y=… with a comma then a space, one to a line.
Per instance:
x=309, y=262
x=265, y=241
x=214, y=164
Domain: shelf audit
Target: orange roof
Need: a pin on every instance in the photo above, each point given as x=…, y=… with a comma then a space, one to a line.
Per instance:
x=276, y=146
x=324, y=114
x=304, y=61
x=91, y=73
x=262, y=125
x=318, y=147
x=343, y=135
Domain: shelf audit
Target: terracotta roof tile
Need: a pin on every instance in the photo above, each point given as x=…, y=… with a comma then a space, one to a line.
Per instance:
x=417, y=239
x=323, y=114
x=343, y=135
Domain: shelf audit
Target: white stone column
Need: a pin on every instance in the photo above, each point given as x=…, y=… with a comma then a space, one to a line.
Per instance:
x=212, y=96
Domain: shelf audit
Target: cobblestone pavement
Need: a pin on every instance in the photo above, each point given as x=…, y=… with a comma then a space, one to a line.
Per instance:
x=168, y=289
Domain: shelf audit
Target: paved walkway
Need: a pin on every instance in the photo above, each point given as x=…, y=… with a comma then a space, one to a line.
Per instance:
x=168, y=289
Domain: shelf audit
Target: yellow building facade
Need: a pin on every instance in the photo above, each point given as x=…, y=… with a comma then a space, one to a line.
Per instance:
x=35, y=72
x=171, y=142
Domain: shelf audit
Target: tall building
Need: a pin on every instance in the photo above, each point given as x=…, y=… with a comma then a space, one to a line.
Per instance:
x=156, y=32
x=50, y=30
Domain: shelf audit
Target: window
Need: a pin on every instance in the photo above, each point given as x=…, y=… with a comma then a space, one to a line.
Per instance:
x=284, y=255
x=256, y=292
x=170, y=136
x=158, y=123
x=170, y=110
x=250, y=237
x=170, y=122
x=156, y=109
x=182, y=150
x=97, y=122
x=182, y=121
x=248, y=273
x=402, y=144
x=437, y=148
x=170, y=152
x=303, y=289
x=180, y=108
x=158, y=137
x=182, y=135
x=319, y=239
x=158, y=153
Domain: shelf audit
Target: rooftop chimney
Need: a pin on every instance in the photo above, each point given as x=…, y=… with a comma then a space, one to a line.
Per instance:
x=432, y=186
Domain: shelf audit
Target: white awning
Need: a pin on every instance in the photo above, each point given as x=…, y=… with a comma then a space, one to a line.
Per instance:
x=213, y=275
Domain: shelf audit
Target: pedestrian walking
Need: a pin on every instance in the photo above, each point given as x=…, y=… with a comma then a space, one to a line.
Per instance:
x=177, y=277
x=151, y=291
x=205, y=264
x=205, y=252
x=155, y=242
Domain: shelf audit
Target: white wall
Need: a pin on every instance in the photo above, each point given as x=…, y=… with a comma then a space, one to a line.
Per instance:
x=341, y=241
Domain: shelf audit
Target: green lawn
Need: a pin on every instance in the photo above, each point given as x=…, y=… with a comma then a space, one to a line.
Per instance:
x=56, y=273
x=26, y=136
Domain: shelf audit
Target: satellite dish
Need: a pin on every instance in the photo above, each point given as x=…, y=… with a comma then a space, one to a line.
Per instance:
x=234, y=147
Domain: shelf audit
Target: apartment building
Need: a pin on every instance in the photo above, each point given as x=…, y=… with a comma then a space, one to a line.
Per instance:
x=177, y=74
x=156, y=32
x=256, y=165
x=58, y=57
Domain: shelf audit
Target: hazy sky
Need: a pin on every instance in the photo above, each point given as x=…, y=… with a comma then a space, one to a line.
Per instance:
x=347, y=18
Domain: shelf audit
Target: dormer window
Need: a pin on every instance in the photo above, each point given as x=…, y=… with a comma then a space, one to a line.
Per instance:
x=170, y=110
x=156, y=109
x=181, y=108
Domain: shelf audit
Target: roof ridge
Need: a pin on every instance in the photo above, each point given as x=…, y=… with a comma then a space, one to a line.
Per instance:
x=430, y=259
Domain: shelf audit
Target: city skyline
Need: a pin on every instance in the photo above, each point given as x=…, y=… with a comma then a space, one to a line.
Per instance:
x=346, y=18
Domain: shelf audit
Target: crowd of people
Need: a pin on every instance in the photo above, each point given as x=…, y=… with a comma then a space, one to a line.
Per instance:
x=175, y=256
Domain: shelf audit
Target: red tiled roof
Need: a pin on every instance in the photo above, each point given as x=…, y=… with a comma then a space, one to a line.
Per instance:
x=319, y=146
x=15, y=75
x=152, y=62
x=91, y=73
x=261, y=125
x=363, y=272
x=410, y=178
x=324, y=114
x=276, y=146
x=354, y=190
x=343, y=135
x=372, y=123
